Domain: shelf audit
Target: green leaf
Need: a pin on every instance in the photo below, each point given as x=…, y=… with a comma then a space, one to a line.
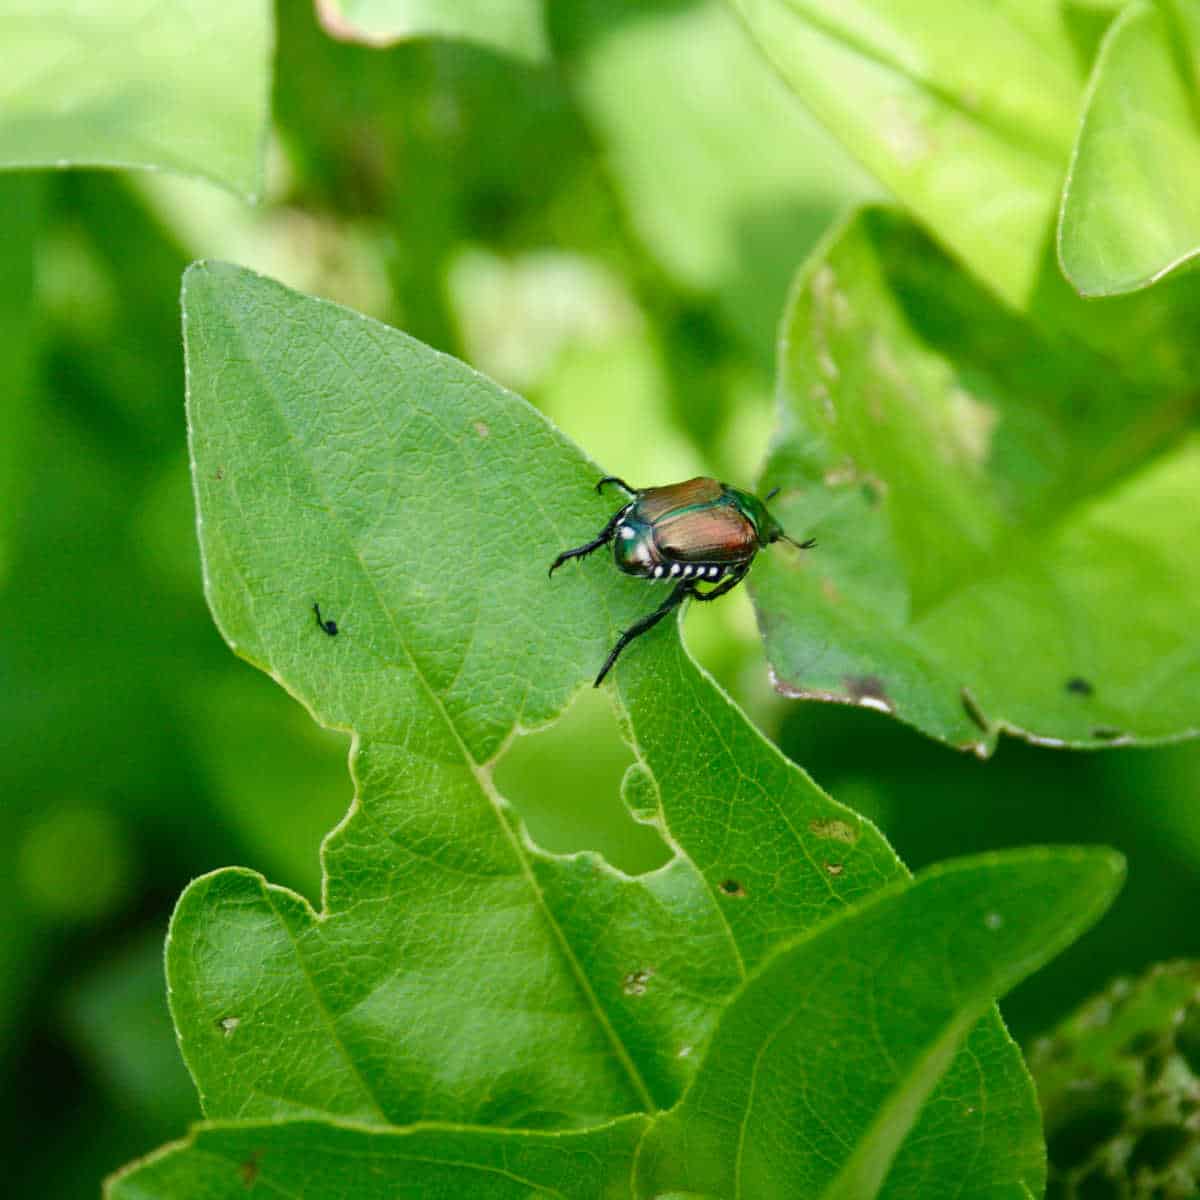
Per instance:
x=1118, y=1081
x=1001, y=515
x=1131, y=207
x=820, y=1066
x=512, y=26
x=183, y=86
x=457, y=972
x=725, y=177
x=923, y=94
x=432, y=1163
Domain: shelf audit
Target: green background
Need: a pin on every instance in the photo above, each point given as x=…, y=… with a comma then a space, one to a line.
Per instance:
x=505, y=212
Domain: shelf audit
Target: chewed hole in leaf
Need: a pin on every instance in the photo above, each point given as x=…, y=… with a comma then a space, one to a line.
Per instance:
x=731, y=887
x=565, y=781
x=634, y=984
x=832, y=827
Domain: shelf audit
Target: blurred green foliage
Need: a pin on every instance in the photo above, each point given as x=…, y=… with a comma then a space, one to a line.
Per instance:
x=618, y=276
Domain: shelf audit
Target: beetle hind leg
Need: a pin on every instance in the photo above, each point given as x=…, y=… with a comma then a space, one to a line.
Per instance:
x=680, y=593
x=736, y=575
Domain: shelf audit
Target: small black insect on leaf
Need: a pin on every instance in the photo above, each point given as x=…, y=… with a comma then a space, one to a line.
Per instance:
x=329, y=627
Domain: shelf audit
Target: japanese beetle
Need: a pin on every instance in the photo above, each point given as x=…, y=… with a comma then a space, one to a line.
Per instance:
x=686, y=533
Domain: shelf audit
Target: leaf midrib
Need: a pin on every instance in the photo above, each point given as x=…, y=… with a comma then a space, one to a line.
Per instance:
x=480, y=774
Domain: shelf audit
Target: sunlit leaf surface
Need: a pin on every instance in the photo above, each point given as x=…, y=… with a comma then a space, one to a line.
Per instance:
x=1131, y=208
x=973, y=141
x=181, y=86
x=1004, y=539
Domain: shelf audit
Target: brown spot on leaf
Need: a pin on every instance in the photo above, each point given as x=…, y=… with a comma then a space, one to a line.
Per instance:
x=634, y=984
x=830, y=591
x=219, y=474
x=482, y=429
x=249, y=1169
x=731, y=887
x=972, y=709
x=834, y=827
x=868, y=691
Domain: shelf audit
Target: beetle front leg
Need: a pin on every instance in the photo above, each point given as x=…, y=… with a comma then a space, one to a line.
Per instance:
x=674, y=600
x=601, y=539
x=727, y=586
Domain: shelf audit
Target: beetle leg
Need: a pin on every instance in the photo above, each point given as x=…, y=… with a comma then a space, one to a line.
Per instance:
x=601, y=539
x=680, y=593
x=619, y=482
x=728, y=585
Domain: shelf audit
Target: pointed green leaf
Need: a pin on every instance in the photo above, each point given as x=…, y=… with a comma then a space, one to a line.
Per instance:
x=820, y=1066
x=456, y=971
x=225, y=1161
x=513, y=26
x=183, y=86
x=1001, y=515
x=1131, y=208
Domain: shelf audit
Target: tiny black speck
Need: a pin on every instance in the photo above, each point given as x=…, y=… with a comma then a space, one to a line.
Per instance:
x=329, y=627
x=1079, y=686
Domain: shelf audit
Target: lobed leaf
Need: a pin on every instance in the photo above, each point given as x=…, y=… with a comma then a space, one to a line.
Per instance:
x=965, y=112
x=183, y=86
x=1131, y=206
x=512, y=26
x=819, y=1067
x=457, y=972
x=1000, y=512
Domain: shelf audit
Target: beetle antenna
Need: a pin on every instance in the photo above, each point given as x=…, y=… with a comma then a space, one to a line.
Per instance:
x=619, y=482
x=799, y=545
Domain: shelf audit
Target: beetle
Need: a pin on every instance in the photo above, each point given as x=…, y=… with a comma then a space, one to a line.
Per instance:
x=687, y=533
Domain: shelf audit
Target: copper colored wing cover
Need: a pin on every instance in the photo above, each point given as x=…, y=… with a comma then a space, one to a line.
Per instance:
x=710, y=535
x=655, y=503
